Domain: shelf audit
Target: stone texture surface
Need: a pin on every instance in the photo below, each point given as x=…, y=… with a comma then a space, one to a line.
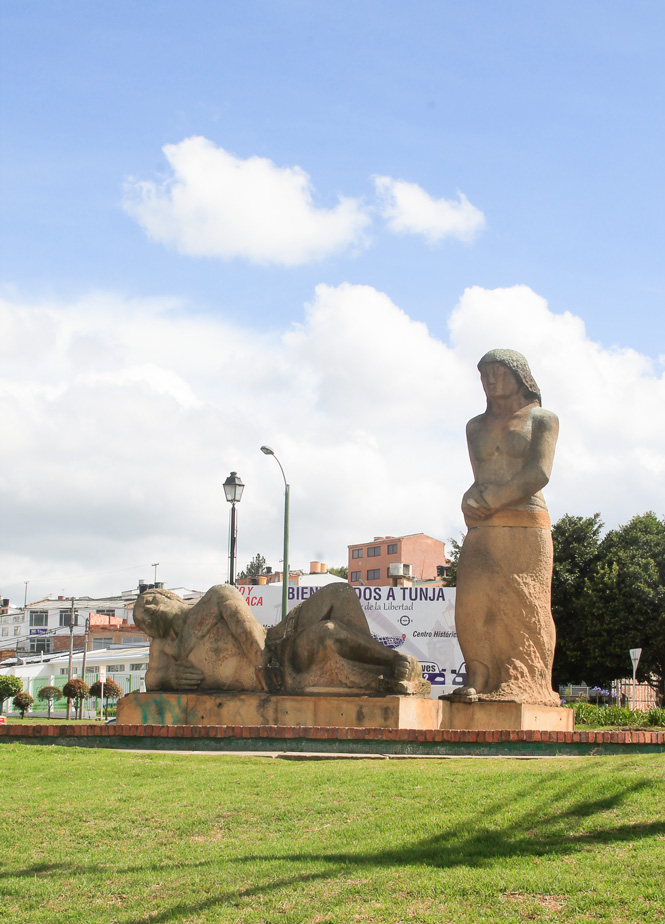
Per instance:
x=256, y=709
x=503, y=616
x=323, y=646
x=502, y=612
x=215, y=644
x=505, y=715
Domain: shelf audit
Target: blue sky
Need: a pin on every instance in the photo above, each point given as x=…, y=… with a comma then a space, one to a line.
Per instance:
x=546, y=118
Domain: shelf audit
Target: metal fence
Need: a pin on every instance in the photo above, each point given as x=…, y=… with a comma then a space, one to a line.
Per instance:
x=620, y=692
x=128, y=681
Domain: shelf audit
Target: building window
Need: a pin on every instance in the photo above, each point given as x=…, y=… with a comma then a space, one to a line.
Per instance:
x=98, y=643
x=40, y=644
x=356, y=553
x=373, y=551
x=355, y=575
x=374, y=574
x=38, y=617
x=115, y=668
x=5, y=631
x=65, y=617
x=17, y=630
x=105, y=612
x=136, y=667
x=392, y=548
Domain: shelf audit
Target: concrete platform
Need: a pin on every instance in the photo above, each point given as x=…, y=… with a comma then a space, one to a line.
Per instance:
x=254, y=709
x=265, y=709
x=511, y=716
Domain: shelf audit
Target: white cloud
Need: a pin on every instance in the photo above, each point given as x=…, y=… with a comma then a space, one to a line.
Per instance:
x=218, y=205
x=408, y=209
x=122, y=419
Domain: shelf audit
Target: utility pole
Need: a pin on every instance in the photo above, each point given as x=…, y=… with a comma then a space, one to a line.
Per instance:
x=85, y=652
x=71, y=652
x=154, y=565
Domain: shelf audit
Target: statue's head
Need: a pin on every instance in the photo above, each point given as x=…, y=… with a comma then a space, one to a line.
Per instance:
x=158, y=612
x=519, y=367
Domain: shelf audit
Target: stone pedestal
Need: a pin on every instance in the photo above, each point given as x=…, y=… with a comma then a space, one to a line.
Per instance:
x=337, y=711
x=265, y=709
x=505, y=715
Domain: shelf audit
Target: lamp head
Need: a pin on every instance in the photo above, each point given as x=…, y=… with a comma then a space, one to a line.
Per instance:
x=266, y=450
x=233, y=488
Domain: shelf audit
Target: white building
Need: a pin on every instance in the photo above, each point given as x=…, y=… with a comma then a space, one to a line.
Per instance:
x=12, y=624
x=44, y=626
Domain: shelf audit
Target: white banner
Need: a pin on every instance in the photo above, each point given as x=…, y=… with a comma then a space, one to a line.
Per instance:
x=419, y=621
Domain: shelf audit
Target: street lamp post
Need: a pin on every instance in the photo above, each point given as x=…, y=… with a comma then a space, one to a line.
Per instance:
x=285, y=574
x=233, y=488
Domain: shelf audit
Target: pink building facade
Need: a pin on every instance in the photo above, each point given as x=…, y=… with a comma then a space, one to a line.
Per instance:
x=423, y=559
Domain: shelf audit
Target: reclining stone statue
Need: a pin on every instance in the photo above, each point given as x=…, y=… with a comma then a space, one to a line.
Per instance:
x=324, y=645
x=502, y=611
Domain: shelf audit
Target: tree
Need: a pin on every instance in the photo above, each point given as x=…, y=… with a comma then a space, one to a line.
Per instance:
x=454, y=548
x=9, y=686
x=49, y=694
x=23, y=702
x=626, y=599
x=342, y=572
x=77, y=690
x=111, y=690
x=577, y=556
x=254, y=569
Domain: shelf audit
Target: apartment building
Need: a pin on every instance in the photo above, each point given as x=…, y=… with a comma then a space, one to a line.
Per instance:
x=43, y=627
x=416, y=556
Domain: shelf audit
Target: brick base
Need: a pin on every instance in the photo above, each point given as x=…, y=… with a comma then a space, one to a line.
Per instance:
x=428, y=742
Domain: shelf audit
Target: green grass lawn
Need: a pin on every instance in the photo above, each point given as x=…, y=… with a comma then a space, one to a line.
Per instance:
x=115, y=836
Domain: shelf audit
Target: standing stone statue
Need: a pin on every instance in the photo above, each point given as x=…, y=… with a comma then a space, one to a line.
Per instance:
x=503, y=612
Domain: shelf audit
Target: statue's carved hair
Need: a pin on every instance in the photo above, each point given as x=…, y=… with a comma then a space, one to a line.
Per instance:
x=517, y=365
x=141, y=618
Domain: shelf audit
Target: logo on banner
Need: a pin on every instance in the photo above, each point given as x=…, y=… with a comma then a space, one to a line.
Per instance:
x=390, y=641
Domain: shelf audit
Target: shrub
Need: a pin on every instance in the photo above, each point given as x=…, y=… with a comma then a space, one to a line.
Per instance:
x=49, y=694
x=589, y=714
x=9, y=686
x=76, y=689
x=111, y=690
x=23, y=702
x=655, y=716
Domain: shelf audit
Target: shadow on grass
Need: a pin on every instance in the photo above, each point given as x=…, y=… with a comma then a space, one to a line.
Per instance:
x=38, y=869
x=76, y=868
x=473, y=844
